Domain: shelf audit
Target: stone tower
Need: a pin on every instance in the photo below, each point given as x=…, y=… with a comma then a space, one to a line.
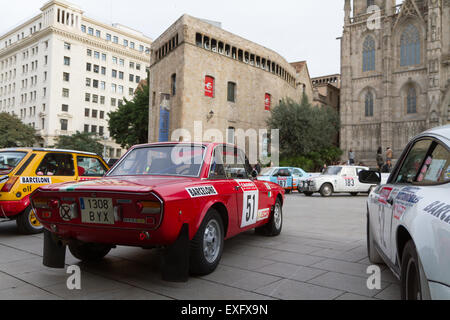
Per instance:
x=395, y=62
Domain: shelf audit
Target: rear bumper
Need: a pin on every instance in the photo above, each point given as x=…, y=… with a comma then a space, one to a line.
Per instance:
x=13, y=208
x=439, y=291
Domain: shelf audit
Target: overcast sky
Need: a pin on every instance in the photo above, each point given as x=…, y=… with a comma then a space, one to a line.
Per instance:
x=296, y=29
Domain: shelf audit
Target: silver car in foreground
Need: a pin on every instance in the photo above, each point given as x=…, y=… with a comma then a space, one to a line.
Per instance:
x=408, y=219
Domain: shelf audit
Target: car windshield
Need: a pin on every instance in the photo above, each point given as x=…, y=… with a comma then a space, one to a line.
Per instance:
x=9, y=160
x=170, y=160
x=332, y=171
x=266, y=171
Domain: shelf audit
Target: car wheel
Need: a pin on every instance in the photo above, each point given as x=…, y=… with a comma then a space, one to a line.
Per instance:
x=326, y=190
x=275, y=224
x=411, y=279
x=89, y=251
x=207, y=246
x=308, y=194
x=354, y=194
x=288, y=191
x=27, y=222
x=374, y=256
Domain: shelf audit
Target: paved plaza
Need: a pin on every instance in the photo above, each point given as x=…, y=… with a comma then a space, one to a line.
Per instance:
x=321, y=254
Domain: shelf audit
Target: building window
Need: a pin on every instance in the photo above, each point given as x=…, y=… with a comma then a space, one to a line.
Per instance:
x=86, y=128
x=66, y=61
x=89, y=52
x=369, y=104
x=87, y=97
x=65, y=108
x=102, y=114
x=65, y=93
x=64, y=124
x=83, y=28
x=115, y=39
x=86, y=112
x=101, y=130
x=88, y=82
x=369, y=54
x=108, y=37
x=231, y=92
x=97, y=33
x=66, y=76
x=91, y=31
x=114, y=73
x=410, y=46
x=94, y=113
x=95, y=84
x=411, y=101
x=173, y=84
x=66, y=45
x=88, y=67
x=96, y=55
x=94, y=129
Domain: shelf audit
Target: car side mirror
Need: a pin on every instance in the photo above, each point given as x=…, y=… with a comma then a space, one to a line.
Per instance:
x=369, y=177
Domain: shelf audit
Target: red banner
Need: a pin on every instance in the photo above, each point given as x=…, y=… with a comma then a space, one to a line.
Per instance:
x=267, y=102
x=209, y=86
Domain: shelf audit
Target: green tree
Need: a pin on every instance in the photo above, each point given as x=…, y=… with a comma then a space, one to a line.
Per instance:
x=307, y=133
x=14, y=133
x=128, y=125
x=87, y=142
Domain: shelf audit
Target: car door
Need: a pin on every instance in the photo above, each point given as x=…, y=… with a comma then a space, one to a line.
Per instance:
x=346, y=182
x=426, y=165
x=392, y=200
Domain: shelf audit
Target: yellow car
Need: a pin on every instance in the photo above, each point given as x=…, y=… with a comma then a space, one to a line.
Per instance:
x=23, y=170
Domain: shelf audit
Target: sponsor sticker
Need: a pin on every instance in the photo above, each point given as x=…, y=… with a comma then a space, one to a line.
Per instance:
x=201, y=191
x=263, y=214
x=399, y=210
x=439, y=210
x=35, y=180
x=267, y=186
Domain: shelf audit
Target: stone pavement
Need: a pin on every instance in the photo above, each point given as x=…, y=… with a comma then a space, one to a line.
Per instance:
x=321, y=254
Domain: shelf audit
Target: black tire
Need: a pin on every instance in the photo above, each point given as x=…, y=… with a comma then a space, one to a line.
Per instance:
x=374, y=256
x=326, y=190
x=201, y=263
x=354, y=194
x=308, y=194
x=274, y=226
x=27, y=223
x=89, y=252
x=288, y=191
x=411, y=281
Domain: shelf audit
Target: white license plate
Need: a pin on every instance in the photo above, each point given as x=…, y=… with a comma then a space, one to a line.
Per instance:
x=97, y=210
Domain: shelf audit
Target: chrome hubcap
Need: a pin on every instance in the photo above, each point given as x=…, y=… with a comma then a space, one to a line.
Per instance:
x=277, y=216
x=212, y=239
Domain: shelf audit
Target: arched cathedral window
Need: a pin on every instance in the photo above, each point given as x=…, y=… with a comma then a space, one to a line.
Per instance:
x=368, y=102
x=368, y=54
x=411, y=101
x=410, y=46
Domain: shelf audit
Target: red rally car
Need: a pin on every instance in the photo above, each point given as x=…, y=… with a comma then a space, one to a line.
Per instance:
x=186, y=198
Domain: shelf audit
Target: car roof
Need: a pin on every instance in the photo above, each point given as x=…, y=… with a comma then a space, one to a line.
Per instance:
x=48, y=150
x=443, y=133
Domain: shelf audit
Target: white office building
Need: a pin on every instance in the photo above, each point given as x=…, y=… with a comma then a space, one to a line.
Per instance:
x=62, y=72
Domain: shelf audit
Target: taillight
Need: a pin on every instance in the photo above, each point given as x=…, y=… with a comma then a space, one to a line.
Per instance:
x=149, y=207
x=45, y=203
x=9, y=184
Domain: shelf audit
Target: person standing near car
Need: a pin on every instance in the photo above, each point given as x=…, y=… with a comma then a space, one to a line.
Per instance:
x=389, y=154
x=387, y=167
x=380, y=160
x=351, y=157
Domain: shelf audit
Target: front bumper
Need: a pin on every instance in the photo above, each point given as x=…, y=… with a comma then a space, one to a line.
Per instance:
x=439, y=291
x=306, y=186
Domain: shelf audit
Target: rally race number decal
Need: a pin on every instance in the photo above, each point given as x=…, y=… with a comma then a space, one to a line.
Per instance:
x=202, y=191
x=250, y=203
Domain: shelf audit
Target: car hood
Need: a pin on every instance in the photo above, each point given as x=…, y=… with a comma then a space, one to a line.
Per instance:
x=139, y=184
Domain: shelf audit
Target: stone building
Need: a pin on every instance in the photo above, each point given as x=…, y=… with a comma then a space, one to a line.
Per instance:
x=200, y=72
x=62, y=72
x=395, y=68
x=326, y=91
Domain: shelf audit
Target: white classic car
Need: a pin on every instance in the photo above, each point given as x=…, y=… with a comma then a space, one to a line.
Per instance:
x=408, y=218
x=339, y=179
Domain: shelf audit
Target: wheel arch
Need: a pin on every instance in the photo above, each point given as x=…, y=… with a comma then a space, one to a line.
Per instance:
x=402, y=238
x=223, y=212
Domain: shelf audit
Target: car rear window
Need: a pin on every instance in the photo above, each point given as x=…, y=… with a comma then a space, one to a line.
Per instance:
x=176, y=160
x=9, y=160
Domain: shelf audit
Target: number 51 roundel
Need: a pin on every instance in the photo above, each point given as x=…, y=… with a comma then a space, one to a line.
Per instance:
x=250, y=203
